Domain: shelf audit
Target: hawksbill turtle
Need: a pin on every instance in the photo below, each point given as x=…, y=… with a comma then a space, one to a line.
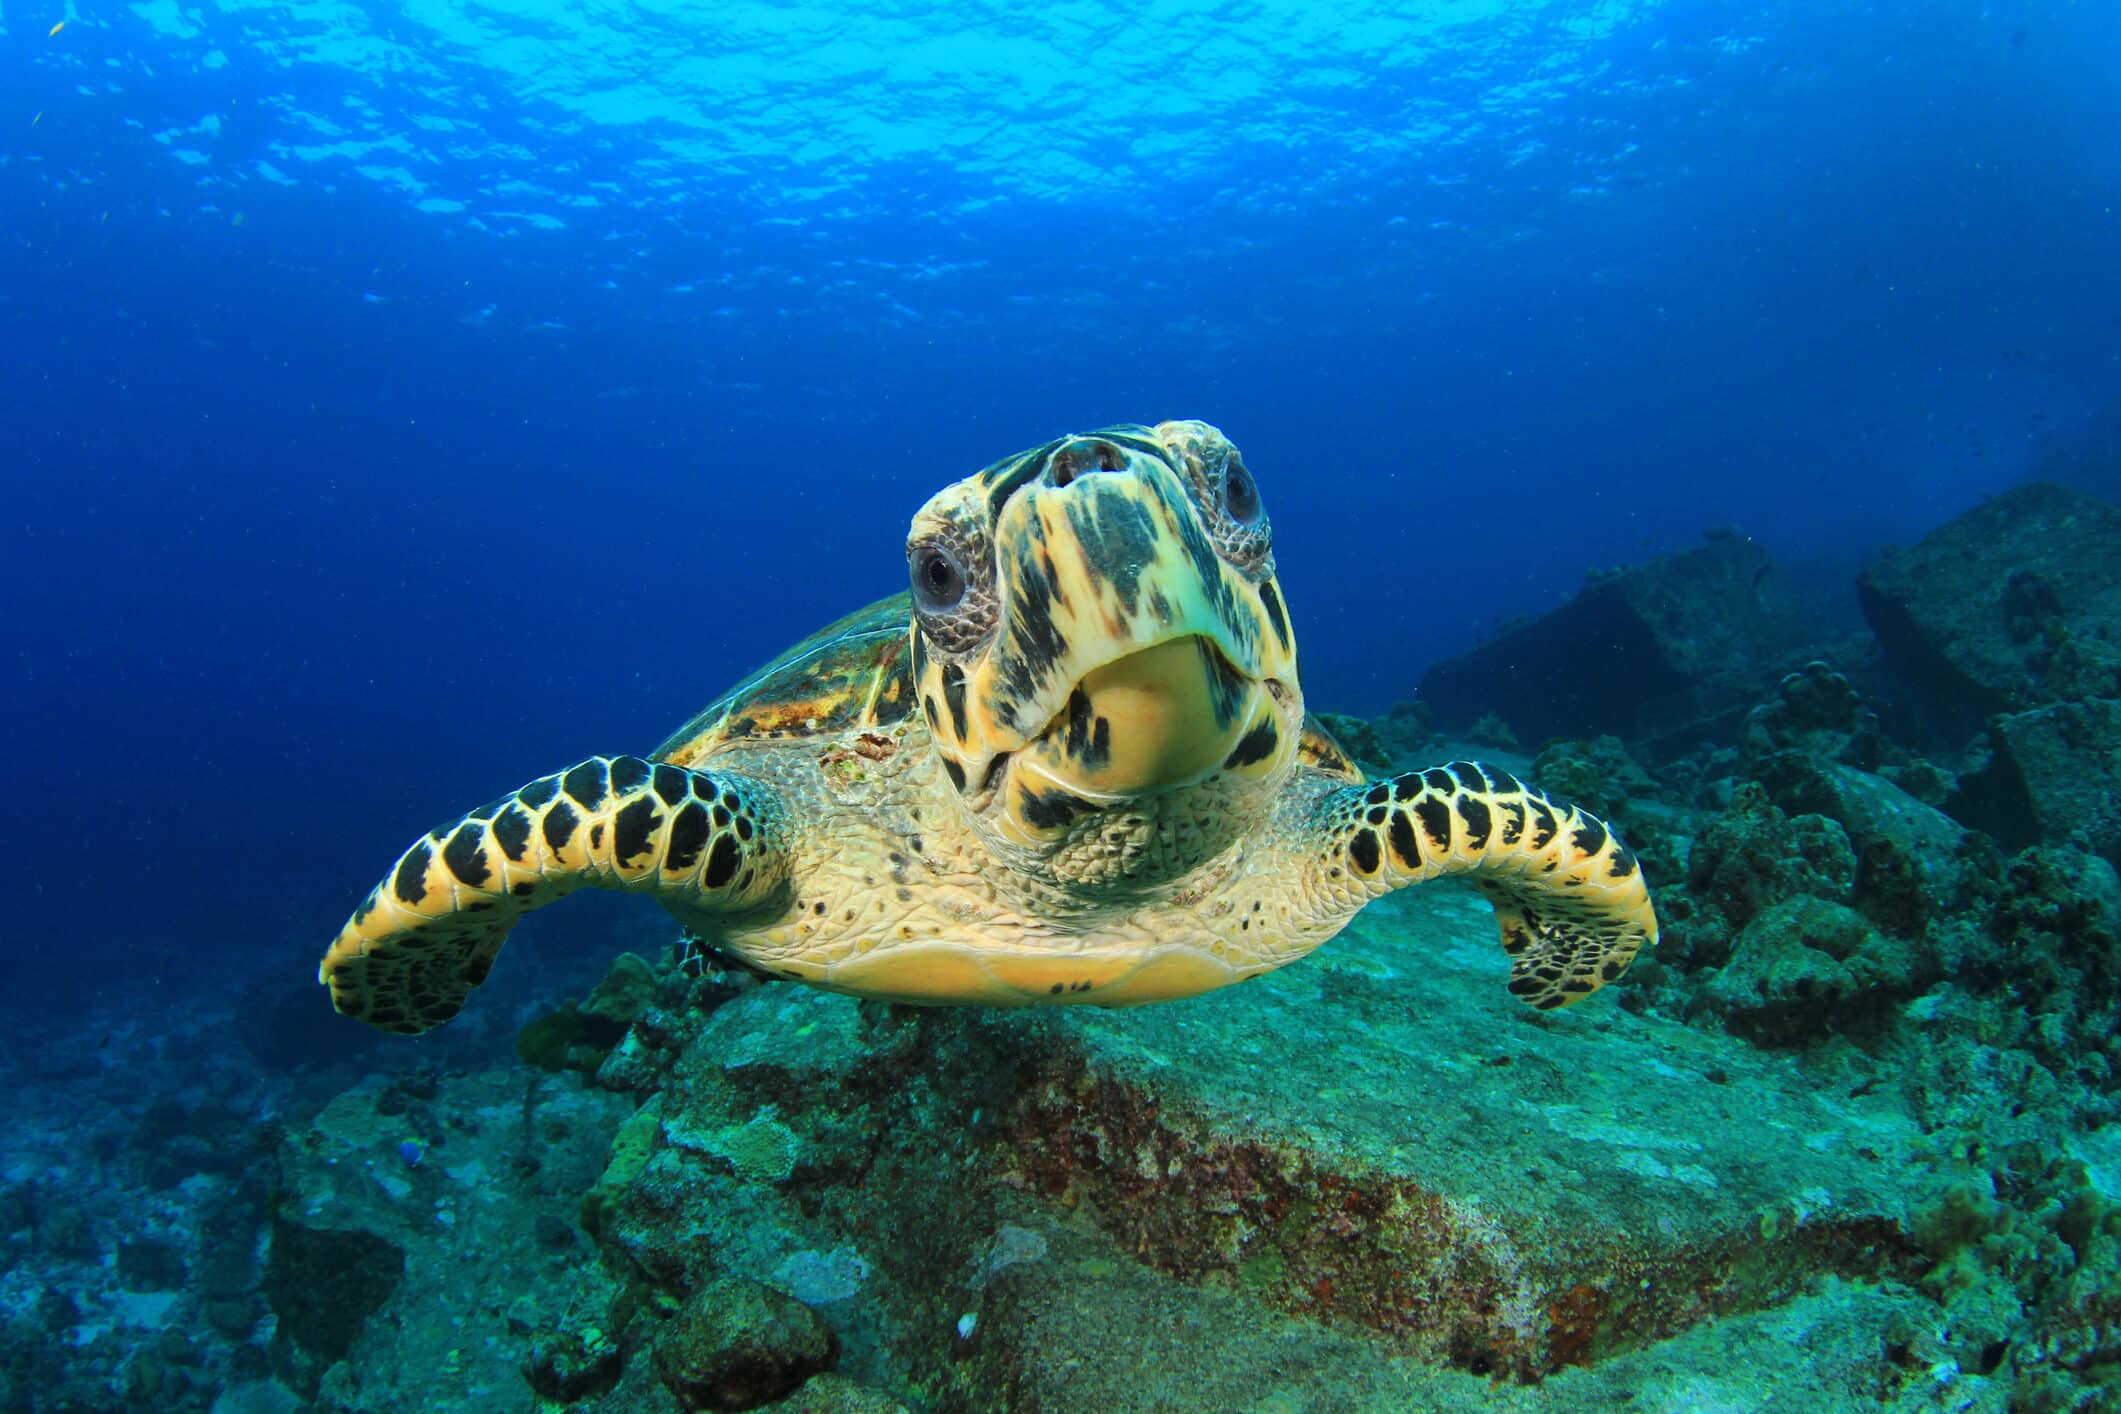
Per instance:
x=1070, y=764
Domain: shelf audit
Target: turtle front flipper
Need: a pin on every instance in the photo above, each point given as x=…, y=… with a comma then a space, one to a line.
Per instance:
x=703, y=843
x=1569, y=895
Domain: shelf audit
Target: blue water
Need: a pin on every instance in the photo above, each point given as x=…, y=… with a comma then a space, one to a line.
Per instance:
x=400, y=401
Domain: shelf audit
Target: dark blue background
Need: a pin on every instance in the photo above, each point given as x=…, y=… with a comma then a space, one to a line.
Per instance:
x=328, y=516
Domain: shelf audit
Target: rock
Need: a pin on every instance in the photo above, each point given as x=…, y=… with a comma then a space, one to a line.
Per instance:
x=233, y=1316
x=409, y=1270
x=834, y=1394
x=568, y=1364
x=324, y=1283
x=1378, y=1137
x=1754, y=856
x=1805, y=969
x=1818, y=712
x=627, y=990
x=2054, y=774
x=1667, y=654
x=737, y=1343
x=150, y=1264
x=2015, y=604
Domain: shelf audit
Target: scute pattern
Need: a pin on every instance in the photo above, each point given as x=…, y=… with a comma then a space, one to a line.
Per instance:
x=852, y=675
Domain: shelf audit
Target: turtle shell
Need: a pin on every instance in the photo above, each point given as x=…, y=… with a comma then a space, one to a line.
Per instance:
x=855, y=673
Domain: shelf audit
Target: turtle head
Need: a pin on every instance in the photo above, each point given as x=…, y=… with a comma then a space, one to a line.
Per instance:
x=1096, y=621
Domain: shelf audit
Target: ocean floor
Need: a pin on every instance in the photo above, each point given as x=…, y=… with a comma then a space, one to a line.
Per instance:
x=1846, y=1142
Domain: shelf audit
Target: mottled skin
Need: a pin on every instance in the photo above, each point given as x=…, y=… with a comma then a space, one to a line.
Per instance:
x=1072, y=765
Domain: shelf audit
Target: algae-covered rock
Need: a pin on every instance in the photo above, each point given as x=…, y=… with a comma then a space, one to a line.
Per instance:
x=548, y=1041
x=834, y=1394
x=2054, y=774
x=1669, y=653
x=568, y=1363
x=324, y=1283
x=737, y=1344
x=1804, y=969
x=631, y=1149
x=1379, y=1136
x=1750, y=858
x=2015, y=604
x=582, y=1035
x=626, y=990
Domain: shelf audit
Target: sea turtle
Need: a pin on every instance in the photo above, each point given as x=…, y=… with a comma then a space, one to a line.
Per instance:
x=1070, y=764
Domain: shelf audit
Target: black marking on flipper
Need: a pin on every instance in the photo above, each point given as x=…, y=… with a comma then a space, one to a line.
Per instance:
x=559, y=826
x=538, y=792
x=410, y=883
x=585, y=784
x=956, y=773
x=1478, y=822
x=1401, y=834
x=721, y=862
x=1435, y=820
x=511, y=829
x=1379, y=794
x=1590, y=834
x=1406, y=787
x=1362, y=851
x=1469, y=775
x=669, y=783
x=596, y=835
x=632, y=826
x=627, y=773
x=1543, y=826
x=1623, y=861
x=1499, y=782
x=490, y=809
x=464, y=857
x=1512, y=820
x=689, y=830
x=1256, y=745
x=1436, y=778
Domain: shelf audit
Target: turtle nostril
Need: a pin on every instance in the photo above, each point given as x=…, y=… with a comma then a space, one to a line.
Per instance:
x=1080, y=459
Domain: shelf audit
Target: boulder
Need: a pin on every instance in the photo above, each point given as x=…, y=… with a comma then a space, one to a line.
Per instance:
x=1666, y=654
x=2015, y=604
x=1378, y=1138
x=737, y=1344
x=2053, y=775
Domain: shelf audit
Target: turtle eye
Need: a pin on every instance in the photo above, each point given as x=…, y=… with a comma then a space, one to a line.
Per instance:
x=1240, y=493
x=938, y=579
